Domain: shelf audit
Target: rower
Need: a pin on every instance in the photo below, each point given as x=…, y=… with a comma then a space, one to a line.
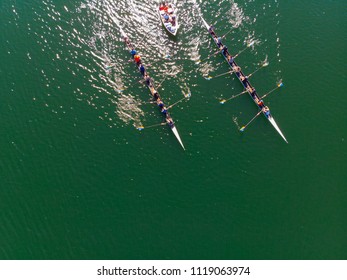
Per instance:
x=225, y=50
x=126, y=40
x=160, y=103
x=260, y=103
x=249, y=88
x=164, y=110
x=155, y=95
x=266, y=110
x=230, y=59
x=218, y=41
x=137, y=59
x=147, y=80
x=243, y=80
x=169, y=120
x=211, y=30
x=236, y=69
x=142, y=69
x=133, y=52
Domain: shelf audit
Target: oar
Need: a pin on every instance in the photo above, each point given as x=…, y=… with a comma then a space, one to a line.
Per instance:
x=144, y=80
x=248, y=45
x=227, y=33
x=110, y=66
x=211, y=77
x=143, y=39
x=119, y=90
x=188, y=95
x=142, y=103
x=161, y=82
x=145, y=103
x=142, y=127
x=278, y=86
x=264, y=65
x=199, y=61
x=234, y=96
x=244, y=127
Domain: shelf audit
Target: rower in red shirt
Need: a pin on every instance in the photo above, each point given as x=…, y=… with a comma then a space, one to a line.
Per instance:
x=137, y=59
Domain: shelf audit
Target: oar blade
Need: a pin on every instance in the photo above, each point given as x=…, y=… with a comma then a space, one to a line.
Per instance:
x=251, y=44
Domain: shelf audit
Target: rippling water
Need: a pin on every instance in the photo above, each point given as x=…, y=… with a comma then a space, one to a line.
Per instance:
x=84, y=40
x=78, y=181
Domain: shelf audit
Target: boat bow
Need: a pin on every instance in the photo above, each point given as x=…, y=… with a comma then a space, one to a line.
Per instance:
x=270, y=118
x=274, y=124
x=175, y=132
x=172, y=126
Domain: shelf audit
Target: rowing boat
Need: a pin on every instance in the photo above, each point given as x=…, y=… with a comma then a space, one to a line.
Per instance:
x=154, y=92
x=243, y=79
x=168, y=16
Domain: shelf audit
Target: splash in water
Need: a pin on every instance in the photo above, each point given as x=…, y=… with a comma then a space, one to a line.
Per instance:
x=237, y=15
x=235, y=121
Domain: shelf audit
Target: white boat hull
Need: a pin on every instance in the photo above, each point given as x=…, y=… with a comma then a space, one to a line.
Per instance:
x=175, y=132
x=171, y=25
x=270, y=118
x=172, y=126
x=274, y=124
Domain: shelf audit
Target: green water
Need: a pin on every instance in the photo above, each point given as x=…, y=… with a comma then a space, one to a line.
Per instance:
x=78, y=181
